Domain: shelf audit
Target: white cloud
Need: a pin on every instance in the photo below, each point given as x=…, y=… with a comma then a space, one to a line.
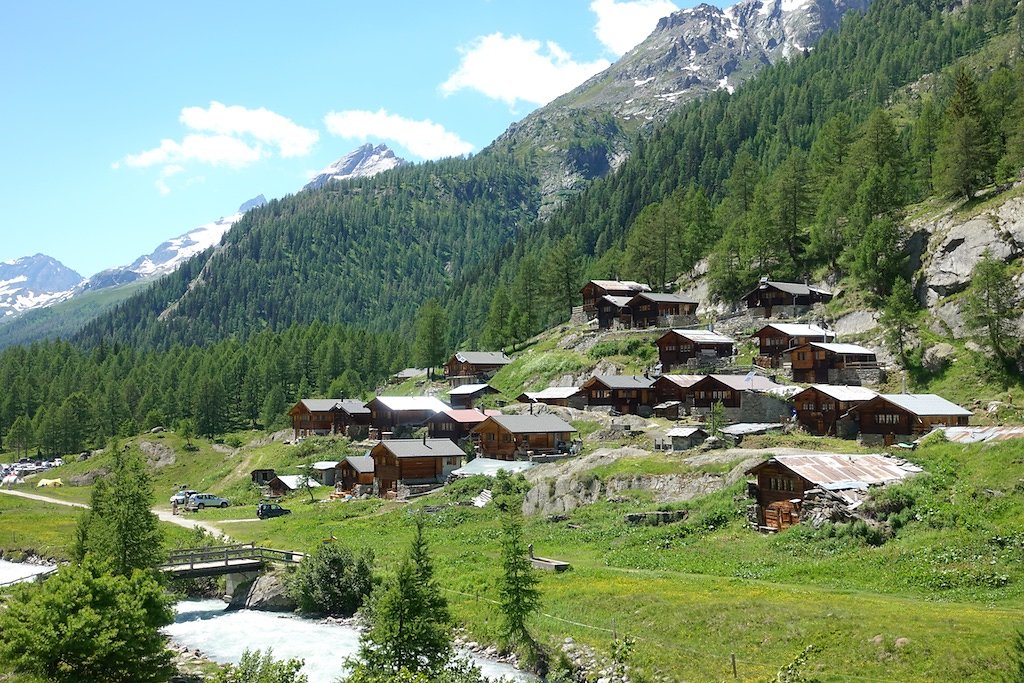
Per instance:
x=622, y=24
x=425, y=139
x=513, y=69
x=262, y=124
x=223, y=135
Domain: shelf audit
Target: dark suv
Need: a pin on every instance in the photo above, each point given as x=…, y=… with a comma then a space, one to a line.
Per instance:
x=268, y=510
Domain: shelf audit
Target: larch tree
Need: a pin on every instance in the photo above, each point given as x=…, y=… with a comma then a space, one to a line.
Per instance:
x=517, y=588
x=992, y=306
x=431, y=345
x=963, y=160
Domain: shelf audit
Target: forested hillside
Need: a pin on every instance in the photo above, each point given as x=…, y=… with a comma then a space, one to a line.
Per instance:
x=806, y=170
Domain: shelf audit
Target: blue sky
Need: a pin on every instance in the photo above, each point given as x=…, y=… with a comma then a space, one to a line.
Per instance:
x=127, y=123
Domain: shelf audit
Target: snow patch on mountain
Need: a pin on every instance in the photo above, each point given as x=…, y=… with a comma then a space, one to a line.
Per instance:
x=33, y=281
x=362, y=162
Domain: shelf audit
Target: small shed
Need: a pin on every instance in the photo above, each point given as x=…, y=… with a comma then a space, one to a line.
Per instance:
x=260, y=477
x=467, y=395
x=283, y=484
x=553, y=396
x=354, y=470
x=682, y=438
x=324, y=471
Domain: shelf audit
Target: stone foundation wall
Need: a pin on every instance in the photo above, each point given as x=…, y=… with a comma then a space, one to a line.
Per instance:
x=856, y=376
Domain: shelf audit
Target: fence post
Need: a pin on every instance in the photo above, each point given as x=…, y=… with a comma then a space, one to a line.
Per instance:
x=734, y=666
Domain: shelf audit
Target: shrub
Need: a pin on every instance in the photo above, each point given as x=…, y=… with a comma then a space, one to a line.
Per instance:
x=333, y=580
x=259, y=667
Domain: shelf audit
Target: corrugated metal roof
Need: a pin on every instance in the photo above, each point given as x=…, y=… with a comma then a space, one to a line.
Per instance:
x=483, y=357
x=622, y=381
x=685, y=431
x=420, y=448
x=834, y=472
x=843, y=349
x=491, y=467
x=360, y=463
x=925, y=404
x=410, y=403
x=533, y=424
x=704, y=337
x=469, y=389
x=982, y=434
x=801, y=330
x=842, y=392
x=552, y=393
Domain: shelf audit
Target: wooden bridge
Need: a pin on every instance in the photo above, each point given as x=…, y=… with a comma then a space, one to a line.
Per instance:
x=193, y=563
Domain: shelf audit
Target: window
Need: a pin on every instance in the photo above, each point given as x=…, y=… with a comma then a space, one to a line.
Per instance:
x=808, y=406
x=828, y=407
x=506, y=437
x=886, y=419
x=801, y=355
x=672, y=348
x=490, y=436
x=820, y=355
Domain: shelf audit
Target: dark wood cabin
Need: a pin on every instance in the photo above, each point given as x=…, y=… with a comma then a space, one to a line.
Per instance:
x=811, y=362
x=354, y=470
x=552, y=396
x=390, y=412
x=283, y=484
x=595, y=289
x=467, y=395
x=820, y=407
x=611, y=309
x=504, y=437
x=647, y=308
x=776, y=338
x=324, y=416
x=454, y=424
x=260, y=477
x=784, y=481
x=894, y=417
x=475, y=364
x=771, y=293
x=678, y=347
x=729, y=389
x=409, y=462
x=623, y=393
x=675, y=387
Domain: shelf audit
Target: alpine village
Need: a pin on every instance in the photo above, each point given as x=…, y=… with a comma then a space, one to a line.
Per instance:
x=722, y=385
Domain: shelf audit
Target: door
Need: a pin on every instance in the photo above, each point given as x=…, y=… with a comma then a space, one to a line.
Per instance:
x=781, y=515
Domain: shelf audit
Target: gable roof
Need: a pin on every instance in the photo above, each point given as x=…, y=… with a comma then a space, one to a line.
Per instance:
x=664, y=298
x=684, y=381
x=469, y=416
x=685, y=431
x=482, y=357
x=620, y=285
x=550, y=393
x=296, y=481
x=491, y=467
x=324, y=465
x=748, y=382
x=411, y=403
x=924, y=404
x=621, y=381
x=360, y=463
x=836, y=472
x=617, y=301
x=420, y=448
x=326, y=405
x=470, y=389
x=842, y=392
x=796, y=288
x=701, y=336
x=801, y=330
x=530, y=424
x=842, y=349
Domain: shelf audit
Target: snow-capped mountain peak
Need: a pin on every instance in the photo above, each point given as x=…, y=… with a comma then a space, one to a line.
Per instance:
x=362, y=162
x=34, y=281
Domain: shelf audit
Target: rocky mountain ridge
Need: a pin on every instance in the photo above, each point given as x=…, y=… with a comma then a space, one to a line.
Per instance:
x=362, y=162
x=586, y=133
x=34, y=281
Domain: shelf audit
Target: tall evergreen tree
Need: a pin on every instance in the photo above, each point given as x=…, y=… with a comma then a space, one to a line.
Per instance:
x=992, y=306
x=431, y=346
x=963, y=158
x=517, y=589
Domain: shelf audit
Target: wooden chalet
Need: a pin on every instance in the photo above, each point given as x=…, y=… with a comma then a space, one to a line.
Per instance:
x=324, y=471
x=678, y=347
x=454, y=424
x=623, y=393
x=784, y=482
x=283, y=484
x=261, y=476
x=646, y=309
x=475, y=364
x=504, y=437
x=595, y=289
x=388, y=413
x=773, y=294
x=888, y=418
x=324, y=416
x=552, y=396
x=775, y=339
x=675, y=387
x=353, y=471
x=812, y=362
x=466, y=395
x=411, y=462
x=820, y=407
x=611, y=309
x=681, y=438
x=728, y=389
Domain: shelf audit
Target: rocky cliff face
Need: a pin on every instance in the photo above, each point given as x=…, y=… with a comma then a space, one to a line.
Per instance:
x=34, y=281
x=362, y=162
x=689, y=54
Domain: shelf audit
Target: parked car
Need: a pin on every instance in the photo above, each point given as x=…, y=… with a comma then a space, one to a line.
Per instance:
x=268, y=510
x=198, y=501
x=181, y=497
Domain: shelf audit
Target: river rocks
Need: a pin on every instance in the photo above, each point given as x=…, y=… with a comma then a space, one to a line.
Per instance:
x=268, y=593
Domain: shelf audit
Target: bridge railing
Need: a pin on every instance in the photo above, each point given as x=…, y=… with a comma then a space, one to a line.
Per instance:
x=190, y=557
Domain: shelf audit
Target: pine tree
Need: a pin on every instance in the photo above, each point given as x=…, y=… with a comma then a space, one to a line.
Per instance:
x=897, y=318
x=430, y=348
x=992, y=305
x=20, y=436
x=517, y=589
x=561, y=275
x=963, y=160
x=496, y=330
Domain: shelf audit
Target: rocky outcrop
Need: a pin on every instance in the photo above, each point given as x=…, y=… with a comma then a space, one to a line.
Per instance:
x=269, y=593
x=157, y=454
